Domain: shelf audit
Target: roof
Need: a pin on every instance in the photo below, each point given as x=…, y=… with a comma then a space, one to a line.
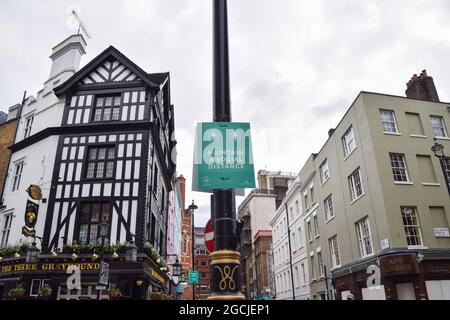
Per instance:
x=151, y=79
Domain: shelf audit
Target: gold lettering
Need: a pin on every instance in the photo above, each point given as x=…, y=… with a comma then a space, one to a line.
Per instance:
x=7, y=269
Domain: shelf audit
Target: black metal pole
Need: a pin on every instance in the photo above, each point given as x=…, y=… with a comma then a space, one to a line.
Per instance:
x=225, y=261
x=290, y=250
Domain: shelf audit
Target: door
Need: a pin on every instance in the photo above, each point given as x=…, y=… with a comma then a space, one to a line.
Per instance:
x=438, y=290
x=405, y=291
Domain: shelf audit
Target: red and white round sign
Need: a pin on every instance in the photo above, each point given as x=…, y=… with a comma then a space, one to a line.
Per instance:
x=209, y=236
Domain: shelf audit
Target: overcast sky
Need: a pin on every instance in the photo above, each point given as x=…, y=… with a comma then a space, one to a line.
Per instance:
x=296, y=65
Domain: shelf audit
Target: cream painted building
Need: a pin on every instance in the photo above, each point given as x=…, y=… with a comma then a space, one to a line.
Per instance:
x=376, y=195
x=289, y=247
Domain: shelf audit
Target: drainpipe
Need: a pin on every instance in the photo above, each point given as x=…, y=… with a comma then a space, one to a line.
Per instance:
x=290, y=251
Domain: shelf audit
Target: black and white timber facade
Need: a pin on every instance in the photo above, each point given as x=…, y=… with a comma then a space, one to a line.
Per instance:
x=112, y=166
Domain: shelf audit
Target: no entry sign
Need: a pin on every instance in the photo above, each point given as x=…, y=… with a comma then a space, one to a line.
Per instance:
x=209, y=236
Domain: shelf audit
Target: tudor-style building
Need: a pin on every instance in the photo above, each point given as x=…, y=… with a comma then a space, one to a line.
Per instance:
x=108, y=175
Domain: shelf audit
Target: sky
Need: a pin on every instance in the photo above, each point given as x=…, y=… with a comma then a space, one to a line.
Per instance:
x=296, y=66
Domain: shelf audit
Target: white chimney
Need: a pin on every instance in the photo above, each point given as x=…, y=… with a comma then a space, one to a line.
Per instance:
x=66, y=56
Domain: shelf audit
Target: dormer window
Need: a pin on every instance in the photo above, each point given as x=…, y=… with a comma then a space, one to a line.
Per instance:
x=107, y=108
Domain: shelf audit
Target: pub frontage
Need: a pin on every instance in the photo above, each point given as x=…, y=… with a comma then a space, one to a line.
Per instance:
x=54, y=276
x=404, y=274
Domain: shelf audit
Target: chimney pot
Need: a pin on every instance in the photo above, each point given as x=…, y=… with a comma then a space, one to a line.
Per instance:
x=422, y=88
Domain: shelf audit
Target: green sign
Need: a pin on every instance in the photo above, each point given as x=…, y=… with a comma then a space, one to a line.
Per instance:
x=193, y=277
x=223, y=157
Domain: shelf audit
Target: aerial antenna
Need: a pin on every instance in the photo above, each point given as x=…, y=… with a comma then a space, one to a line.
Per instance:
x=81, y=25
x=74, y=21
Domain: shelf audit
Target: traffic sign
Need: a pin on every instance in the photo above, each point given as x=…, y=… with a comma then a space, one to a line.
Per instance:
x=209, y=236
x=103, y=279
x=193, y=277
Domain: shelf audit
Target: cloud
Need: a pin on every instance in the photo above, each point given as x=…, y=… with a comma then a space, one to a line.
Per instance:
x=296, y=65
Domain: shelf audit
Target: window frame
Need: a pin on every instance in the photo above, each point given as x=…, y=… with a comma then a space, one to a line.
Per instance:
x=333, y=243
x=324, y=178
x=17, y=176
x=329, y=207
x=29, y=119
x=7, y=219
x=95, y=107
x=443, y=127
x=353, y=185
x=403, y=170
x=362, y=237
x=346, y=144
x=90, y=223
x=96, y=161
x=413, y=226
x=390, y=121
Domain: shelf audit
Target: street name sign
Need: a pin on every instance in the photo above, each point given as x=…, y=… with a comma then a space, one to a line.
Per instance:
x=193, y=277
x=223, y=157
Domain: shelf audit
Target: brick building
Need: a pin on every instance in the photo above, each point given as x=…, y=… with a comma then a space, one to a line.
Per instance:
x=8, y=128
x=202, y=261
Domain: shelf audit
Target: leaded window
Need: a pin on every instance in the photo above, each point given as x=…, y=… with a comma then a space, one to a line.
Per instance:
x=100, y=162
x=92, y=215
x=107, y=109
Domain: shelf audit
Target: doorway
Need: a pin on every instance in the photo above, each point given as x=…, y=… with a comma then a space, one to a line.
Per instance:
x=405, y=291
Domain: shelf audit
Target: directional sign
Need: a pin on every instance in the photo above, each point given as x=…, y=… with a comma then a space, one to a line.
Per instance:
x=103, y=279
x=193, y=277
x=223, y=157
x=209, y=236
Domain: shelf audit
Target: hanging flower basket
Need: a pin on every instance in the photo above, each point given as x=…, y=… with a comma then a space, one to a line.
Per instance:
x=17, y=292
x=114, y=293
x=45, y=293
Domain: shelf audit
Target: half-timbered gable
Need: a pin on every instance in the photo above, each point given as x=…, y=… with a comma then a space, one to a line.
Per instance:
x=114, y=167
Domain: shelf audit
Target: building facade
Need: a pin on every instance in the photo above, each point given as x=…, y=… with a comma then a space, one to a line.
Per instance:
x=97, y=141
x=255, y=214
x=289, y=246
x=202, y=265
x=376, y=200
x=8, y=129
x=262, y=287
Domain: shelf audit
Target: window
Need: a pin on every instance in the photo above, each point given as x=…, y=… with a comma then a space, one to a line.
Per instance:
x=300, y=237
x=334, y=251
x=438, y=127
x=28, y=124
x=297, y=278
x=91, y=216
x=107, y=109
x=294, y=241
x=100, y=163
x=348, y=141
x=291, y=210
x=18, y=168
x=6, y=228
x=313, y=267
x=303, y=273
x=305, y=197
x=356, y=188
x=320, y=261
x=316, y=226
x=35, y=287
x=411, y=225
x=364, y=238
x=184, y=245
x=388, y=121
x=329, y=210
x=297, y=208
x=310, y=235
x=446, y=167
x=399, y=169
x=324, y=171
x=312, y=195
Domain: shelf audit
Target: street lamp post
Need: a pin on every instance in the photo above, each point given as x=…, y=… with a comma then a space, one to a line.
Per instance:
x=192, y=209
x=438, y=150
x=225, y=261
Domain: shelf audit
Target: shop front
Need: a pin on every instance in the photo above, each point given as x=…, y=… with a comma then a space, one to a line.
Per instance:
x=396, y=275
x=65, y=278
